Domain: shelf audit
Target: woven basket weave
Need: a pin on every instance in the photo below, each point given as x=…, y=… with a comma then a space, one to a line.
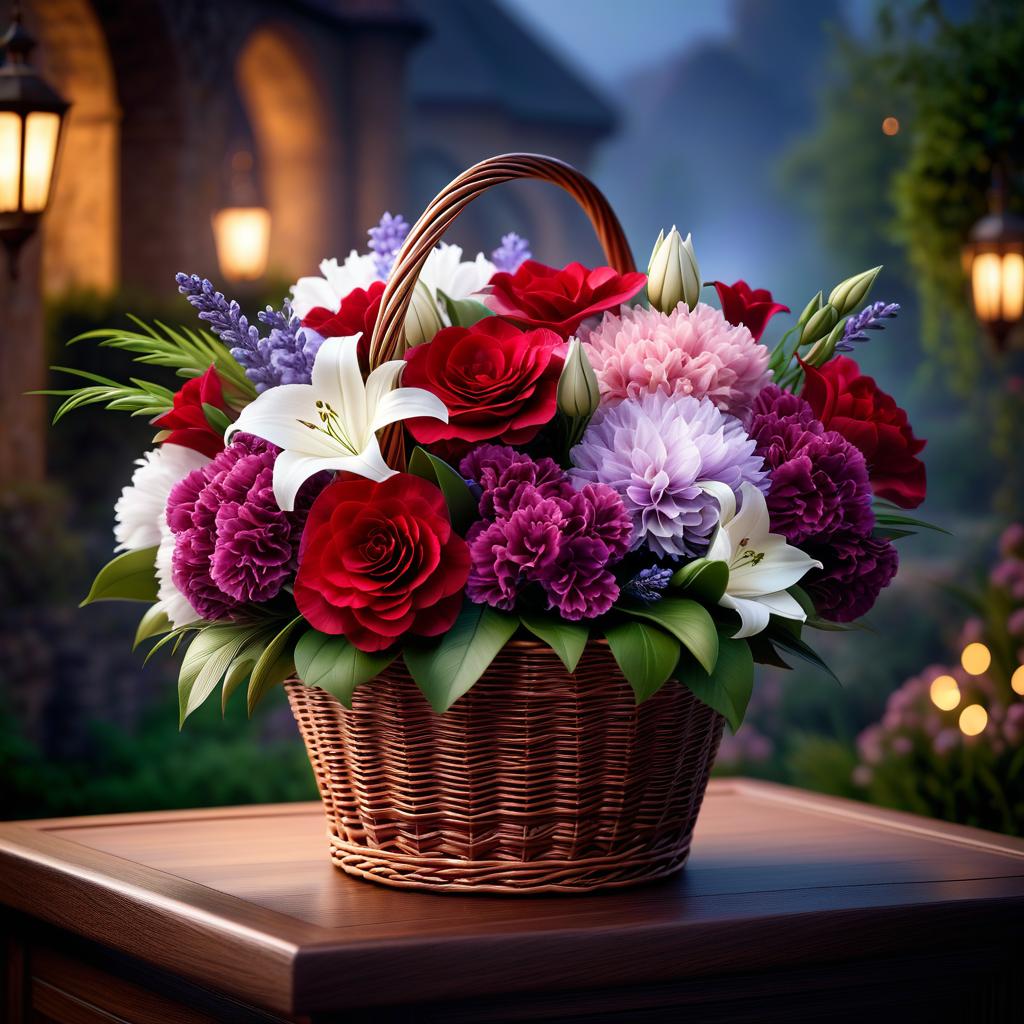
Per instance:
x=534, y=781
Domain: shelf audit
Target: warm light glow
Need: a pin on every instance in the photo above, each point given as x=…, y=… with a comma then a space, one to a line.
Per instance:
x=945, y=693
x=10, y=161
x=997, y=283
x=41, y=131
x=976, y=659
x=1017, y=680
x=973, y=720
x=890, y=126
x=242, y=235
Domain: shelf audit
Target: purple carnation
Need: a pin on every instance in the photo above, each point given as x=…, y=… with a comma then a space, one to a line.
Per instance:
x=233, y=545
x=857, y=568
x=819, y=481
x=538, y=529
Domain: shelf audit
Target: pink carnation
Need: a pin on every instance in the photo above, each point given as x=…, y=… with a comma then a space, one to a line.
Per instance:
x=686, y=352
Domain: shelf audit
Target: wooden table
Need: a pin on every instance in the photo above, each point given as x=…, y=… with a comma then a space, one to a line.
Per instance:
x=794, y=907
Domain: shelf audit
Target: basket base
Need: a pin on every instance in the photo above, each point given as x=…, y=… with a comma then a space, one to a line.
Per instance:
x=507, y=877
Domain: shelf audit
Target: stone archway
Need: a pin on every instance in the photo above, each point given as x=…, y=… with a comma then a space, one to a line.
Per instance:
x=291, y=127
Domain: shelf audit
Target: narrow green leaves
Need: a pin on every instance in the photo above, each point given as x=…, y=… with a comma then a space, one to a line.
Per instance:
x=566, y=639
x=216, y=418
x=792, y=644
x=206, y=660
x=335, y=665
x=688, y=621
x=727, y=689
x=445, y=671
x=152, y=624
x=462, y=506
x=646, y=655
x=273, y=666
x=129, y=577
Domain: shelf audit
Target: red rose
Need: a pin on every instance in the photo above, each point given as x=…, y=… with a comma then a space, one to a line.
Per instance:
x=854, y=405
x=752, y=307
x=187, y=422
x=356, y=314
x=379, y=560
x=496, y=380
x=540, y=296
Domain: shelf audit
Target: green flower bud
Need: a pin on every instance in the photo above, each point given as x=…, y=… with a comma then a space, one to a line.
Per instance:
x=673, y=275
x=824, y=349
x=810, y=309
x=578, y=391
x=849, y=295
x=423, y=320
x=819, y=324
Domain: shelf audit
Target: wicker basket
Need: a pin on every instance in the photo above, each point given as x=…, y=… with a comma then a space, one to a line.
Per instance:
x=534, y=781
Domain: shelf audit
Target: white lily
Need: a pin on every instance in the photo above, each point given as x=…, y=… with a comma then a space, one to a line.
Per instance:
x=761, y=564
x=333, y=422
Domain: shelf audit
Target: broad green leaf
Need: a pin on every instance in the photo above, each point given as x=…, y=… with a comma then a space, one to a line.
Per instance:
x=273, y=666
x=703, y=580
x=462, y=506
x=129, y=577
x=445, y=671
x=795, y=646
x=727, y=689
x=646, y=655
x=336, y=665
x=216, y=418
x=207, y=659
x=764, y=652
x=688, y=621
x=153, y=623
x=464, y=312
x=566, y=639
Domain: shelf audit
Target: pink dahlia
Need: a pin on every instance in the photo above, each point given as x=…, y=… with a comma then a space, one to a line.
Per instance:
x=686, y=352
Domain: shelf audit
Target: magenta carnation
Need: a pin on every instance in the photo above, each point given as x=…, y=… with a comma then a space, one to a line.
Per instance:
x=539, y=530
x=696, y=352
x=233, y=545
x=857, y=568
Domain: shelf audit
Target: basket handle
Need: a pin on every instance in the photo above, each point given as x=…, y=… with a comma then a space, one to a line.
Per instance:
x=388, y=340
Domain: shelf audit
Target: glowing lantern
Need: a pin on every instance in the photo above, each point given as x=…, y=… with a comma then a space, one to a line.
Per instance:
x=241, y=230
x=31, y=119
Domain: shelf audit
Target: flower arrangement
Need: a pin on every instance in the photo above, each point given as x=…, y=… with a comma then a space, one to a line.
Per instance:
x=593, y=455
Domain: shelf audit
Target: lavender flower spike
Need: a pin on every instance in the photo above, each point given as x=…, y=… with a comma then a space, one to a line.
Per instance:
x=648, y=584
x=512, y=253
x=868, y=319
x=385, y=241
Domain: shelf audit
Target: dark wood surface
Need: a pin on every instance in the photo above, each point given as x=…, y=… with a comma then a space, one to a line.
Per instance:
x=783, y=889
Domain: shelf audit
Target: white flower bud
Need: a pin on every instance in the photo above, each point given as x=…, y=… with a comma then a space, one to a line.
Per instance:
x=578, y=392
x=673, y=275
x=423, y=320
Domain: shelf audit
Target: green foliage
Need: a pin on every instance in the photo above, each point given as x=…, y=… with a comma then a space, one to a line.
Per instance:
x=646, y=655
x=703, y=580
x=689, y=622
x=462, y=506
x=128, y=577
x=138, y=397
x=464, y=312
x=728, y=687
x=566, y=639
x=335, y=665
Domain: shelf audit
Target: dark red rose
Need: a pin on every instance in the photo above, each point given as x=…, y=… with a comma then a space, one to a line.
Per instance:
x=497, y=381
x=752, y=307
x=540, y=296
x=187, y=422
x=380, y=560
x=854, y=406
x=356, y=314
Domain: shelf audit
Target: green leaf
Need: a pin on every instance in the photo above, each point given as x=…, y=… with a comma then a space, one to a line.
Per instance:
x=727, y=690
x=764, y=652
x=244, y=662
x=686, y=620
x=646, y=656
x=795, y=646
x=207, y=659
x=566, y=639
x=885, y=518
x=129, y=577
x=462, y=506
x=216, y=418
x=702, y=579
x=153, y=623
x=336, y=665
x=273, y=666
x=464, y=312
x=447, y=670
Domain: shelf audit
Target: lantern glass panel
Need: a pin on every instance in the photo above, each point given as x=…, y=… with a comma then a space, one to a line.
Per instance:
x=10, y=162
x=242, y=236
x=1013, y=286
x=986, y=285
x=42, y=130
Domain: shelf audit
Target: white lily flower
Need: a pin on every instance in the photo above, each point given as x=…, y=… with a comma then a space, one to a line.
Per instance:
x=761, y=564
x=446, y=271
x=357, y=271
x=333, y=422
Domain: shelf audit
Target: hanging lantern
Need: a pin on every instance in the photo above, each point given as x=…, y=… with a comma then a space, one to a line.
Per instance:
x=31, y=122
x=994, y=264
x=241, y=229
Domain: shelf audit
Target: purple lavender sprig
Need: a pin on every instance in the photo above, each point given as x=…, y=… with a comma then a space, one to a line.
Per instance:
x=648, y=584
x=868, y=319
x=290, y=349
x=513, y=252
x=386, y=239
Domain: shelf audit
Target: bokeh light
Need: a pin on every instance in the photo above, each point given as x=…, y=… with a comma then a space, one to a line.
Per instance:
x=890, y=126
x=1017, y=680
x=976, y=659
x=944, y=692
x=973, y=720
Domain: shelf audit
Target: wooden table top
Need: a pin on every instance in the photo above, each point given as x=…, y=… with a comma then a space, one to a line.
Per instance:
x=245, y=900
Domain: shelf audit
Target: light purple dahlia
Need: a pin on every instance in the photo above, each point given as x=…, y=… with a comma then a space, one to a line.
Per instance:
x=540, y=532
x=654, y=451
x=233, y=545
